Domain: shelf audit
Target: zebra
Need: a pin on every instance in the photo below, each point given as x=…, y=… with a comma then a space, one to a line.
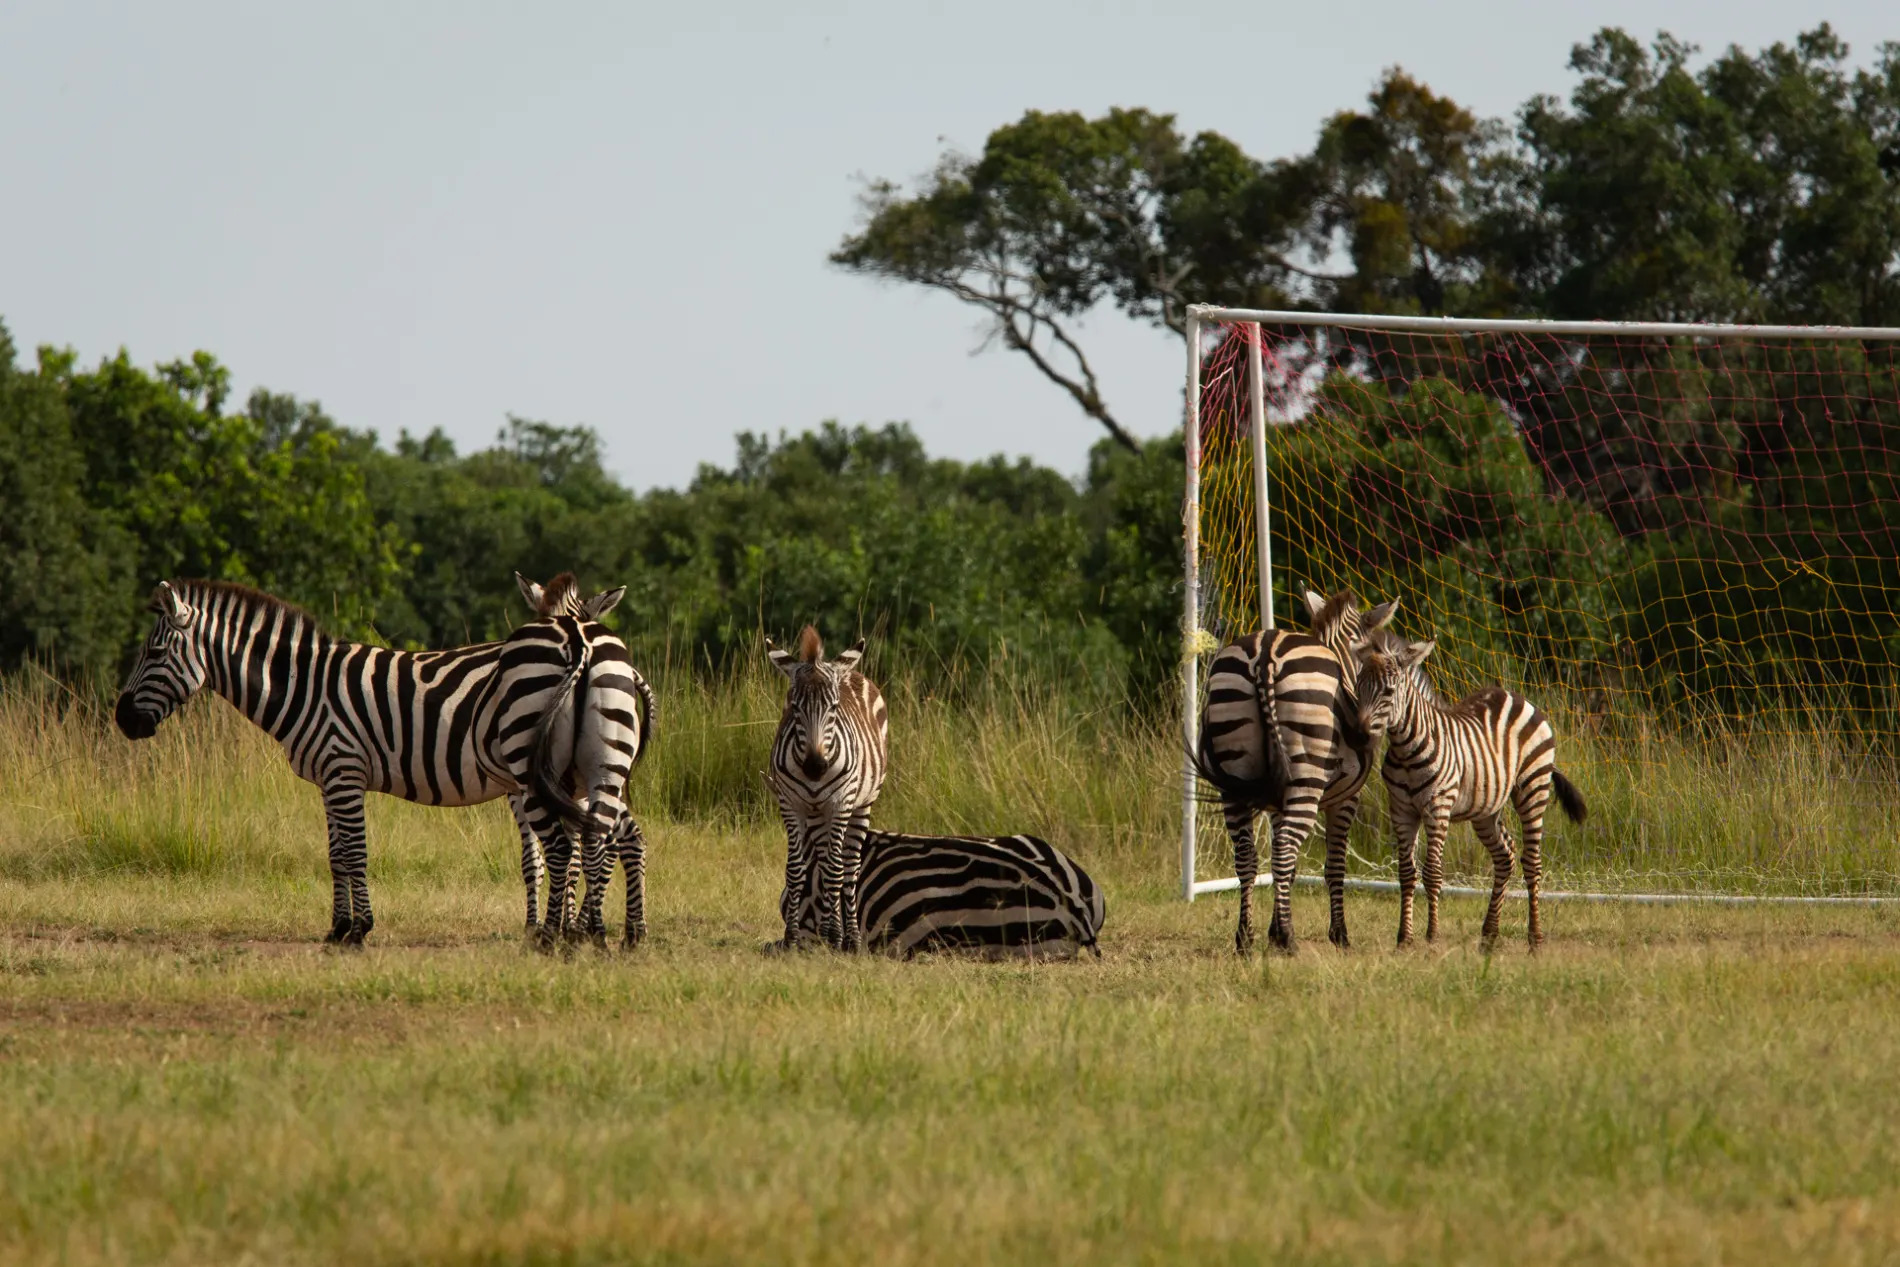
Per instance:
x=997, y=893
x=1338, y=622
x=572, y=719
x=827, y=768
x=351, y=718
x=1275, y=738
x=1456, y=763
x=566, y=601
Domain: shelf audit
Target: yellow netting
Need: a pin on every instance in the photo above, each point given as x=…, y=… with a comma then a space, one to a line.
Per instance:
x=1686, y=549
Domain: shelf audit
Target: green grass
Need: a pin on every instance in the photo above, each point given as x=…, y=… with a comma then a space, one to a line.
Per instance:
x=187, y=1076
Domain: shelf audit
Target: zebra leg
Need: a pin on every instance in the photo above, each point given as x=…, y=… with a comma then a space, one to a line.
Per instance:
x=1530, y=816
x=633, y=861
x=1404, y=847
x=531, y=865
x=1338, y=825
x=797, y=874
x=1437, y=827
x=1497, y=841
x=350, y=917
x=852, y=861
x=831, y=883
x=560, y=861
x=1291, y=827
x=1240, y=824
x=599, y=863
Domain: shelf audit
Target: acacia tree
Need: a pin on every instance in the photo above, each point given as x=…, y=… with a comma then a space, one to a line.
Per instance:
x=1061, y=213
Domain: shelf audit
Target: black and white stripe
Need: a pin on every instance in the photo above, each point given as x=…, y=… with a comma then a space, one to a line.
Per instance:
x=1338, y=622
x=572, y=718
x=826, y=771
x=1278, y=737
x=351, y=718
x=1448, y=763
x=971, y=892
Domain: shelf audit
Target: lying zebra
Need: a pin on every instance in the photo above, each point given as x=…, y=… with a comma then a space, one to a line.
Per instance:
x=999, y=894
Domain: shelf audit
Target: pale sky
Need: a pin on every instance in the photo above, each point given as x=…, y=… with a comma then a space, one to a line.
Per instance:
x=435, y=214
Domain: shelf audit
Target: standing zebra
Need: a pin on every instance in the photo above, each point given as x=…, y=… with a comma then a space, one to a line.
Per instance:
x=1459, y=762
x=572, y=719
x=827, y=770
x=1276, y=738
x=543, y=602
x=351, y=718
x=1338, y=622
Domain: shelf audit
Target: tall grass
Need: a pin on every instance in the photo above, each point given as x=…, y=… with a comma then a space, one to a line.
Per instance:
x=210, y=795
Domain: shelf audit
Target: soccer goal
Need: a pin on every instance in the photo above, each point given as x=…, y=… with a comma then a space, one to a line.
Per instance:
x=1681, y=540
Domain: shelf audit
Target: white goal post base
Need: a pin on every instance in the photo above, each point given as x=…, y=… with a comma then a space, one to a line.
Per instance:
x=1232, y=883
x=1193, y=638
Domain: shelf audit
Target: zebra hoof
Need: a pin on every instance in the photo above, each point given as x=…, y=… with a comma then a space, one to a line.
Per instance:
x=544, y=939
x=1338, y=937
x=1243, y=941
x=636, y=933
x=338, y=932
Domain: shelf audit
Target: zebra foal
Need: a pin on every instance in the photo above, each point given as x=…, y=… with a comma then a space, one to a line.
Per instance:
x=827, y=768
x=1454, y=763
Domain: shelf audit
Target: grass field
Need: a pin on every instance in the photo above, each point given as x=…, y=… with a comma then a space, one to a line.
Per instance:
x=187, y=1076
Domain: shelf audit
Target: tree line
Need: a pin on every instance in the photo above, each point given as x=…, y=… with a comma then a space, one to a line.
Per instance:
x=116, y=477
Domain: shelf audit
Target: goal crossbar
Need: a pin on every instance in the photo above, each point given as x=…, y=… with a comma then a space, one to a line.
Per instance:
x=1194, y=639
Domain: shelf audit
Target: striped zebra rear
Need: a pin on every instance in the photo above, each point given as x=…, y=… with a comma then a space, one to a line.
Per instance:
x=1270, y=741
x=573, y=718
x=972, y=892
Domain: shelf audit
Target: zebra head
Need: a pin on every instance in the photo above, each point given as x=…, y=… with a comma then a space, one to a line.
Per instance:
x=1338, y=622
x=559, y=597
x=1390, y=679
x=812, y=709
x=170, y=667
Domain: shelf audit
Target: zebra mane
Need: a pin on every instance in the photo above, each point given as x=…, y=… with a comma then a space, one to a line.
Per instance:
x=811, y=648
x=1387, y=643
x=556, y=592
x=1332, y=609
x=245, y=596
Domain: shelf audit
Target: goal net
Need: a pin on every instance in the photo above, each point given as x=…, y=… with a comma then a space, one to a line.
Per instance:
x=1683, y=541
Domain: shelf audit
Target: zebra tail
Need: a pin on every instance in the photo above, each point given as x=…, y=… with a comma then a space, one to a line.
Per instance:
x=648, y=708
x=1267, y=793
x=1568, y=797
x=546, y=779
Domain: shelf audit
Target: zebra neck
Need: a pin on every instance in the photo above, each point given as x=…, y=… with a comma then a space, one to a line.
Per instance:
x=261, y=659
x=1416, y=722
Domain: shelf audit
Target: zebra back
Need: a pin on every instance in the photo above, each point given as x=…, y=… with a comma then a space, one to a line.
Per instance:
x=972, y=892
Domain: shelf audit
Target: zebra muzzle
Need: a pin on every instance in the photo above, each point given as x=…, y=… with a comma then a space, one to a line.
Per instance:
x=132, y=723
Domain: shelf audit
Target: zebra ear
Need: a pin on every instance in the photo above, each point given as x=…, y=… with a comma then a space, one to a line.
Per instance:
x=849, y=659
x=602, y=603
x=170, y=605
x=530, y=590
x=1415, y=654
x=1313, y=603
x=1380, y=616
x=781, y=659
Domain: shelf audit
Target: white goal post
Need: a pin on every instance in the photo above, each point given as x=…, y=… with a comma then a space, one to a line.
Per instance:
x=1195, y=641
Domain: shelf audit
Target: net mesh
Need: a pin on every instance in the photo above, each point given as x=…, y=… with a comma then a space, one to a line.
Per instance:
x=1685, y=548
